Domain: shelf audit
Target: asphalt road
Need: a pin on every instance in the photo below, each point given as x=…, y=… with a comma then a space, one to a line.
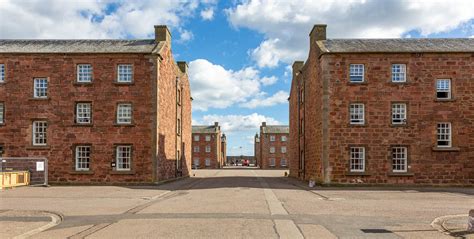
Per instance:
x=231, y=203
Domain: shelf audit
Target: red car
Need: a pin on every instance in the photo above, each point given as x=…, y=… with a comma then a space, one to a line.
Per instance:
x=245, y=162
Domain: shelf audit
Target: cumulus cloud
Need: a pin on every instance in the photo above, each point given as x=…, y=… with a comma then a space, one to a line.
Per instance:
x=185, y=36
x=207, y=14
x=91, y=18
x=286, y=24
x=281, y=97
x=238, y=123
x=213, y=86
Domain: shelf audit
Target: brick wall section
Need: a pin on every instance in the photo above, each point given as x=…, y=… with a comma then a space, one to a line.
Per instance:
x=327, y=98
x=152, y=133
x=215, y=155
x=265, y=154
x=59, y=111
x=424, y=112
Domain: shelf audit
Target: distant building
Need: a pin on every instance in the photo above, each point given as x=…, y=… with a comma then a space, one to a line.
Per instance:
x=209, y=146
x=257, y=150
x=100, y=111
x=383, y=111
x=233, y=160
x=271, y=147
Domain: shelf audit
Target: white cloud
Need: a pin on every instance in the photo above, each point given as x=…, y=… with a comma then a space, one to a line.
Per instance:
x=185, y=36
x=281, y=97
x=213, y=86
x=207, y=14
x=238, y=123
x=90, y=18
x=286, y=24
x=269, y=80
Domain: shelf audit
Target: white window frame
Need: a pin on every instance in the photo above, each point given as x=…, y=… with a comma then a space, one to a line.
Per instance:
x=121, y=154
x=196, y=162
x=83, y=157
x=124, y=113
x=272, y=162
x=196, y=149
x=283, y=149
x=208, y=138
x=357, y=159
x=84, y=73
x=399, y=113
x=272, y=138
x=207, y=162
x=196, y=137
x=2, y=113
x=283, y=164
x=356, y=70
x=208, y=148
x=443, y=85
x=272, y=150
x=357, y=113
x=399, y=159
x=284, y=138
x=2, y=73
x=399, y=73
x=83, y=113
x=444, y=134
x=40, y=130
x=125, y=73
x=40, y=88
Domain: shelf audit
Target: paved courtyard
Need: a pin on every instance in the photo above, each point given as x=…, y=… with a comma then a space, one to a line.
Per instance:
x=234, y=203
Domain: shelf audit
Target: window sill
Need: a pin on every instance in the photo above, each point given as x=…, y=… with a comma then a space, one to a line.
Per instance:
x=406, y=174
x=445, y=100
x=82, y=125
x=357, y=174
x=45, y=147
x=446, y=149
x=115, y=172
x=124, y=125
x=39, y=99
x=81, y=172
x=398, y=125
x=399, y=82
x=357, y=83
x=82, y=83
x=124, y=83
x=357, y=125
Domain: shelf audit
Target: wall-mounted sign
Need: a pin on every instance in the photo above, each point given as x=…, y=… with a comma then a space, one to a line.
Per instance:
x=112, y=164
x=39, y=166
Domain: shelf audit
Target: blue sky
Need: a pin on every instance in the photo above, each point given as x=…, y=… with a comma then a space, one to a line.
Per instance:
x=239, y=52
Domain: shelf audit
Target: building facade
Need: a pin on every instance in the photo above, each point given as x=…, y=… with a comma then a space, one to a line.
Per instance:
x=273, y=146
x=383, y=111
x=256, y=149
x=209, y=146
x=99, y=110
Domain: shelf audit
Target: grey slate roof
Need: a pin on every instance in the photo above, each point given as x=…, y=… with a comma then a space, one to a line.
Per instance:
x=276, y=129
x=405, y=45
x=78, y=46
x=209, y=129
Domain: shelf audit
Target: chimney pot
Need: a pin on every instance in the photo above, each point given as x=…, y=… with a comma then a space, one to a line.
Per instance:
x=264, y=124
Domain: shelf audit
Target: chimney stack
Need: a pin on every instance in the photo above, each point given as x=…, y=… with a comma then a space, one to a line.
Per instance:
x=264, y=124
x=318, y=33
x=183, y=66
x=216, y=124
x=297, y=66
x=162, y=33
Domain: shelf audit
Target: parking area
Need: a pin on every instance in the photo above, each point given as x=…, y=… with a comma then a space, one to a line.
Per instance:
x=243, y=203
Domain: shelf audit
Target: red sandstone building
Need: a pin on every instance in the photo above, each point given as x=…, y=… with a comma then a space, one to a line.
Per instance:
x=383, y=111
x=209, y=146
x=101, y=111
x=271, y=146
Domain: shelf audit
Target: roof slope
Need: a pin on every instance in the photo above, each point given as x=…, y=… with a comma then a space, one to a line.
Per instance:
x=204, y=129
x=405, y=45
x=79, y=46
x=276, y=129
